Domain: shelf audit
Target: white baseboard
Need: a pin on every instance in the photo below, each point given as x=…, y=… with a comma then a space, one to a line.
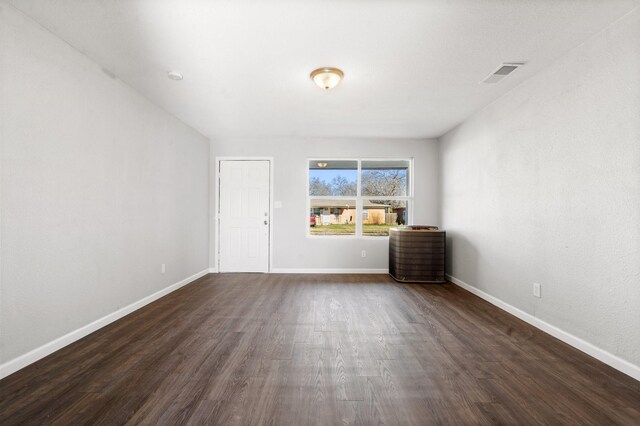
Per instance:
x=213, y=270
x=600, y=354
x=329, y=271
x=30, y=357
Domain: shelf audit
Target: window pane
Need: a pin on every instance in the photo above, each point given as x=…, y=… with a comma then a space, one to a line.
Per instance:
x=385, y=178
x=332, y=217
x=380, y=215
x=333, y=177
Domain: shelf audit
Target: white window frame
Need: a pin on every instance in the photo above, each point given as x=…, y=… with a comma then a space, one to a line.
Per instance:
x=409, y=198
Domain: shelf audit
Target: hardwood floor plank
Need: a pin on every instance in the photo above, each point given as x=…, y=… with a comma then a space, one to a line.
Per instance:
x=255, y=349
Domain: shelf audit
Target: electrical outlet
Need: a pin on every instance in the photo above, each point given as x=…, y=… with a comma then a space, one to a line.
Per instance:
x=364, y=253
x=536, y=290
x=163, y=268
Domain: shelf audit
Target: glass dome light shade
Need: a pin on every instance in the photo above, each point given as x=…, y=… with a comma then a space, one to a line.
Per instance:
x=327, y=78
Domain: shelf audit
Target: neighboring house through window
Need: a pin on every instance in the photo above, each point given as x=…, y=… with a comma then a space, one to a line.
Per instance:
x=365, y=197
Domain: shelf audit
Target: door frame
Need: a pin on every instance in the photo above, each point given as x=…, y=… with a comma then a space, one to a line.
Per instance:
x=216, y=207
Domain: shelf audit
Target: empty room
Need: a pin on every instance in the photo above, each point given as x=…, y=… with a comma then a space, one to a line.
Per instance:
x=337, y=212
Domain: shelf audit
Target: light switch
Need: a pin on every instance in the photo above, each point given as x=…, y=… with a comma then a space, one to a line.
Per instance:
x=277, y=204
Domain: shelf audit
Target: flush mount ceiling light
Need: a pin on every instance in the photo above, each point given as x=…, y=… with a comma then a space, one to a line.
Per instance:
x=174, y=75
x=322, y=165
x=327, y=78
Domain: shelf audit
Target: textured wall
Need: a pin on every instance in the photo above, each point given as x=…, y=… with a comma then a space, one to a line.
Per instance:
x=543, y=186
x=99, y=187
x=292, y=249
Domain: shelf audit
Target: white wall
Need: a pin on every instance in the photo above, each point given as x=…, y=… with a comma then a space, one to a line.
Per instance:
x=543, y=186
x=292, y=249
x=99, y=187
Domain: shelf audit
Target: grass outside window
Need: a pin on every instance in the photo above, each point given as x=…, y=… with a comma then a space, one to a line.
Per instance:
x=350, y=228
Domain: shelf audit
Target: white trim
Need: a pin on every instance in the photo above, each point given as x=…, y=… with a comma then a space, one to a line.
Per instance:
x=600, y=354
x=216, y=207
x=330, y=271
x=36, y=354
x=359, y=200
x=213, y=270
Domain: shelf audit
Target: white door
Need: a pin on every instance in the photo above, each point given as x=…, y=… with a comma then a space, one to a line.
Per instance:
x=244, y=216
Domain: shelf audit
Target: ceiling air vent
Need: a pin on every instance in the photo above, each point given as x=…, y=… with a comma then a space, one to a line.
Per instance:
x=502, y=72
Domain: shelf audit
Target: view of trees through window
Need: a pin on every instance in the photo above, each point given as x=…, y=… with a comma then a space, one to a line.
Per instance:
x=339, y=185
x=337, y=204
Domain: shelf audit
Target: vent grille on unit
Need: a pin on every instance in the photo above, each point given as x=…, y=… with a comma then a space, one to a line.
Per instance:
x=502, y=72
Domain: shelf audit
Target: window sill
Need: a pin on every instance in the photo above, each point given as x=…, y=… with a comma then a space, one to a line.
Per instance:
x=348, y=237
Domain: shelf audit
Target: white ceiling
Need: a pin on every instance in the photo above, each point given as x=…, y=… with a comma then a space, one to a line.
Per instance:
x=411, y=67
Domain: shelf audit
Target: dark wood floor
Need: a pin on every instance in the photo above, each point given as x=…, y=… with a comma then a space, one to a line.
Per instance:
x=318, y=349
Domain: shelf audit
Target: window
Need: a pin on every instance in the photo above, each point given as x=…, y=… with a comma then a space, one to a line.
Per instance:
x=358, y=197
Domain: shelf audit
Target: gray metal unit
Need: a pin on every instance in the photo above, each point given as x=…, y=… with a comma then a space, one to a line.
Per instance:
x=417, y=254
